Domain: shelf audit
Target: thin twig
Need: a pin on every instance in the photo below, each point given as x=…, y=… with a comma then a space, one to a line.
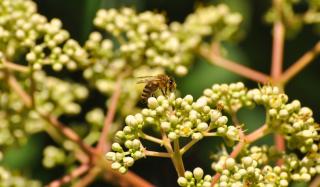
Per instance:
x=233, y=66
x=315, y=182
x=157, y=154
x=88, y=178
x=151, y=138
x=188, y=146
x=102, y=144
x=13, y=83
x=67, y=132
x=301, y=63
x=67, y=178
x=15, y=67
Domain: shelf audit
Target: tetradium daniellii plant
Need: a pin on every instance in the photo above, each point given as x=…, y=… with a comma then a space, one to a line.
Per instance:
x=142, y=44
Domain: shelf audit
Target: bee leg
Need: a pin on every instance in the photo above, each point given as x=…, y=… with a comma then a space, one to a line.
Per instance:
x=163, y=92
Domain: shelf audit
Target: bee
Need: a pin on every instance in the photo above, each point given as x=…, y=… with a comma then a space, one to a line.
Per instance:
x=153, y=83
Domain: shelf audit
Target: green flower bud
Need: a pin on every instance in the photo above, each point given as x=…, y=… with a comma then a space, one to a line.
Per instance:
x=172, y=136
x=122, y=169
x=136, y=144
x=182, y=181
x=117, y=147
x=188, y=175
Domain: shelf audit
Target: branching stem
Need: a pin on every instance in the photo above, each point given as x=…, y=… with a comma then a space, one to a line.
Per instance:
x=233, y=66
x=103, y=144
x=67, y=178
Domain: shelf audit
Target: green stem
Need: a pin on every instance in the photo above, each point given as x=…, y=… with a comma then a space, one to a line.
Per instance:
x=188, y=146
x=151, y=138
x=177, y=158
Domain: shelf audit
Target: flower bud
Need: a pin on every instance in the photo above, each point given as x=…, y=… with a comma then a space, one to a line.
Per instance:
x=198, y=173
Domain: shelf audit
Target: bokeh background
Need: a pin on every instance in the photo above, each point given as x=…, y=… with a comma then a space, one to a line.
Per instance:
x=253, y=49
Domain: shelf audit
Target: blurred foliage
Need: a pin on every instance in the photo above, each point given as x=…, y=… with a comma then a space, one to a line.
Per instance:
x=253, y=50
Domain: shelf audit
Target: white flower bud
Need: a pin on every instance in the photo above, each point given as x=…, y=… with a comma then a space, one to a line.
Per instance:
x=152, y=103
x=128, y=161
x=110, y=156
x=230, y=163
x=222, y=120
x=165, y=126
x=197, y=136
x=247, y=161
x=115, y=165
x=198, y=173
x=172, y=136
x=202, y=126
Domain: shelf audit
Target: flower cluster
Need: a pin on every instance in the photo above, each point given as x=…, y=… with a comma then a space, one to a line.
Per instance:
x=177, y=118
x=293, y=19
x=254, y=168
x=195, y=178
x=27, y=33
x=57, y=97
x=8, y=178
x=230, y=98
x=290, y=119
x=174, y=118
x=148, y=45
x=16, y=121
x=53, y=156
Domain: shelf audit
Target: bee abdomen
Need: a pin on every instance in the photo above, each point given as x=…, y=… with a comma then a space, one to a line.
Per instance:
x=148, y=90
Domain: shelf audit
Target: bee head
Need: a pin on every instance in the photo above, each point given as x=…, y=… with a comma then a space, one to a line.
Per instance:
x=172, y=84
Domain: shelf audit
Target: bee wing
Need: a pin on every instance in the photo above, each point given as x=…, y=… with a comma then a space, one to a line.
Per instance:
x=145, y=79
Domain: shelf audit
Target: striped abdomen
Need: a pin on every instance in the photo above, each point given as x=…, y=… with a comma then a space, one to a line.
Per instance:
x=149, y=89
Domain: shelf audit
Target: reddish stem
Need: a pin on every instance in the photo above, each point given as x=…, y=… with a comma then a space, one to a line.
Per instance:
x=88, y=178
x=277, y=60
x=103, y=143
x=67, y=178
x=277, y=50
x=234, y=67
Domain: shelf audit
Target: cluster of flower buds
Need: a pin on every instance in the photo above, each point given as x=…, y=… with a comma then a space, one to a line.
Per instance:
x=217, y=22
x=23, y=30
x=254, y=168
x=57, y=97
x=8, y=178
x=288, y=118
x=293, y=19
x=230, y=98
x=122, y=159
x=53, y=156
x=16, y=121
x=175, y=118
x=195, y=179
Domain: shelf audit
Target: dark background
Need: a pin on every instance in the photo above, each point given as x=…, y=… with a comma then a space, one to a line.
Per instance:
x=253, y=50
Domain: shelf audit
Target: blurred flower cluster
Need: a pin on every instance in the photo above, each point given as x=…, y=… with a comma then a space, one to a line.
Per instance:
x=295, y=18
